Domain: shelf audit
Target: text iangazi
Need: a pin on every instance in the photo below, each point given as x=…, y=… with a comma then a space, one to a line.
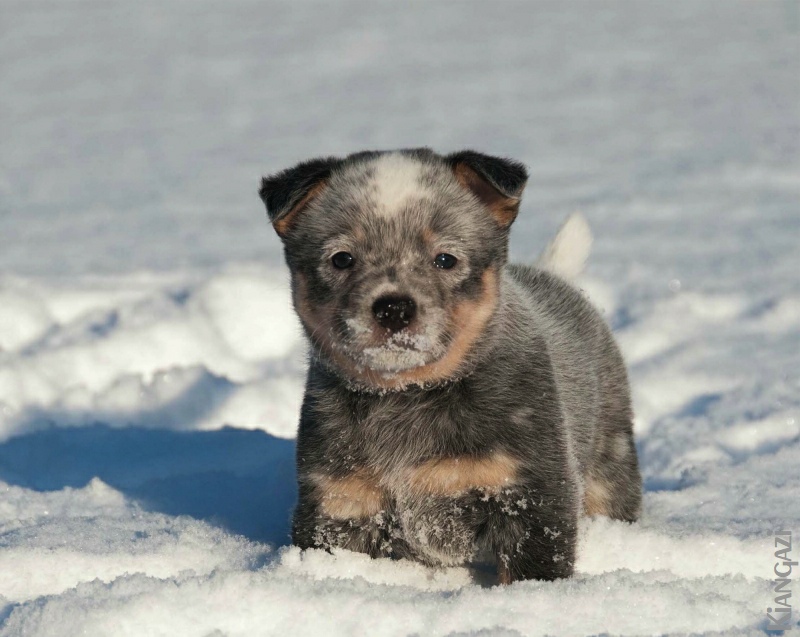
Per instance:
x=779, y=615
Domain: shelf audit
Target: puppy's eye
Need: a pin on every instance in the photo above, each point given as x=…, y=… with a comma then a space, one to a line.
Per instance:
x=342, y=260
x=445, y=261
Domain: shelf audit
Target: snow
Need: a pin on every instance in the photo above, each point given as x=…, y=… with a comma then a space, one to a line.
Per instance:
x=151, y=368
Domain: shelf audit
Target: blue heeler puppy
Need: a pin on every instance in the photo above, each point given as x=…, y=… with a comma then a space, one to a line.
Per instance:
x=456, y=406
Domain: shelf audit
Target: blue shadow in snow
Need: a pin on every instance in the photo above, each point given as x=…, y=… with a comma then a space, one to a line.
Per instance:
x=240, y=480
x=698, y=406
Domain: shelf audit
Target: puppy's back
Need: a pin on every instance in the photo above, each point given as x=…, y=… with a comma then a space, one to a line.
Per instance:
x=588, y=367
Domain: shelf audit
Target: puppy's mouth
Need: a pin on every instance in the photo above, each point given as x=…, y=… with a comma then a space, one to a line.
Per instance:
x=386, y=351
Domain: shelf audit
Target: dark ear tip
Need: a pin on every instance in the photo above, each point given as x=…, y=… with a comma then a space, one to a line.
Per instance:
x=517, y=174
x=283, y=190
x=517, y=167
x=266, y=192
x=264, y=189
x=509, y=176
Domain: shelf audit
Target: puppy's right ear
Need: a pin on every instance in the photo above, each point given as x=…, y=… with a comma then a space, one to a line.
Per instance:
x=497, y=182
x=288, y=192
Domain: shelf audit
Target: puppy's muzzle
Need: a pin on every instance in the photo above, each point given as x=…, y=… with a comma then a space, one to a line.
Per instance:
x=394, y=312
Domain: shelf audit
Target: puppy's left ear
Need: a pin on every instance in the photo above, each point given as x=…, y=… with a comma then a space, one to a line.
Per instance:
x=498, y=183
x=288, y=192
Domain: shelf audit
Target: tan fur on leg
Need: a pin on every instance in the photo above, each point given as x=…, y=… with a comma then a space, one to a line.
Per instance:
x=450, y=476
x=357, y=495
x=597, y=497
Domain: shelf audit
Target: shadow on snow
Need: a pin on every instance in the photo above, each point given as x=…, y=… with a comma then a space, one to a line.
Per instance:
x=241, y=480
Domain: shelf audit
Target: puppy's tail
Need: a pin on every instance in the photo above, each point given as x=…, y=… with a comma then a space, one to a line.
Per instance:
x=567, y=253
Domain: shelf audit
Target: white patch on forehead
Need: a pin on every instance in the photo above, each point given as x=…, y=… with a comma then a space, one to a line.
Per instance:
x=397, y=179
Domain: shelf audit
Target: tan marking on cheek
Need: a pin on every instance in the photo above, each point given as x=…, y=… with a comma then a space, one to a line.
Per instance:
x=450, y=476
x=357, y=495
x=315, y=318
x=469, y=320
x=283, y=225
x=596, y=498
x=300, y=298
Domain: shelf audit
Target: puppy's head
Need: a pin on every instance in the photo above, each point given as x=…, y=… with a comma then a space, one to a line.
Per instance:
x=396, y=257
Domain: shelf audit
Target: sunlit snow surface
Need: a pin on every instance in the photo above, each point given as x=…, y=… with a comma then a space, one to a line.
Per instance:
x=151, y=369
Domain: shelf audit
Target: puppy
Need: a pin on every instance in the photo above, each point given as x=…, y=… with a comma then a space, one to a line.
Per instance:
x=456, y=406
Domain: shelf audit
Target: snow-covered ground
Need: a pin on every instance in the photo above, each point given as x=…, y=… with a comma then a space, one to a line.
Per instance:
x=151, y=368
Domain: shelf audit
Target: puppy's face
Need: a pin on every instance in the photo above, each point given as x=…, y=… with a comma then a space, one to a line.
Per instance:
x=395, y=257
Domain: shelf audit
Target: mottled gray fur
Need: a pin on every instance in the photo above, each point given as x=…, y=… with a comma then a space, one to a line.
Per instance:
x=489, y=422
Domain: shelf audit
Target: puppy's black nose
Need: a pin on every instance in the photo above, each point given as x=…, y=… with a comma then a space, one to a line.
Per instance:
x=394, y=312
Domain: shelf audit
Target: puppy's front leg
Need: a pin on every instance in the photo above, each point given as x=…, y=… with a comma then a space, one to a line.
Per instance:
x=531, y=533
x=456, y=507
x=349, y=512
